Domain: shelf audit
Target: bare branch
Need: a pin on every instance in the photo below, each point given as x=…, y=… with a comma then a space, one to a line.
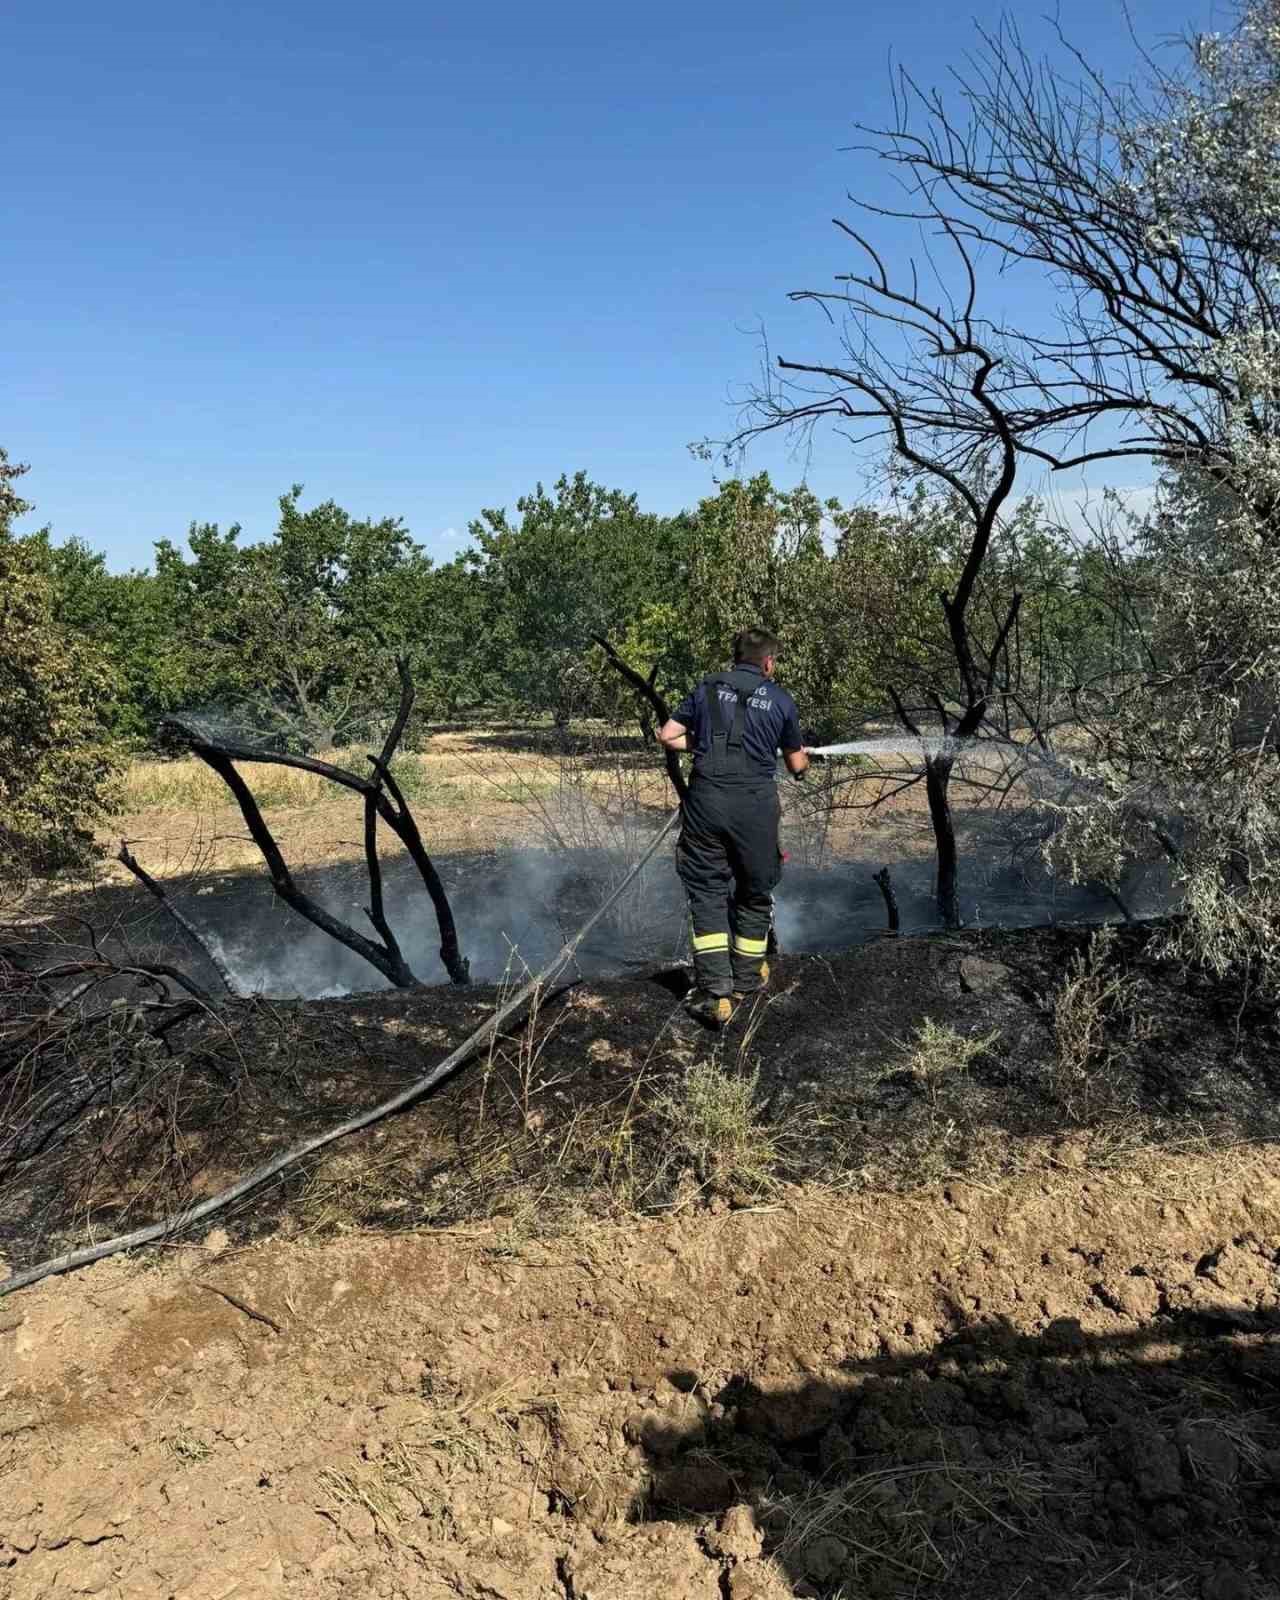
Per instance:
x=647, y=690
x=157, y=890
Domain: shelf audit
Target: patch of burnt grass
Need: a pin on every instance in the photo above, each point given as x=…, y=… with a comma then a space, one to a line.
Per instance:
x=900, y=1064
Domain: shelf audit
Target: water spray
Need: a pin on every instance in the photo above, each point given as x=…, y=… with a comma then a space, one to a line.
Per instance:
x=925, y=748
x=903, y=745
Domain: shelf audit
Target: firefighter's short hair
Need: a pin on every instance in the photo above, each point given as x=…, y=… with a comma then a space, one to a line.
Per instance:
x=754, y=645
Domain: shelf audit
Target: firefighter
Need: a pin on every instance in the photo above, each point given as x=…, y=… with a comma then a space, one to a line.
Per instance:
x=728, y=856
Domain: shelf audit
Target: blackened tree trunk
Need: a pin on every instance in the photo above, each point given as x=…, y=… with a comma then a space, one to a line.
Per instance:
x=937, y=785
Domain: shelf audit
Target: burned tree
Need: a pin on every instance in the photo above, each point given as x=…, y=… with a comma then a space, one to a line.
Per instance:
x=940, y=411
x=1148, y=212
x=384, y=802
x=1149, y=209
x=156, y=890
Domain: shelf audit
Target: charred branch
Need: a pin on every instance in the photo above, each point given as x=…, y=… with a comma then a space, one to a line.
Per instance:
x=127, y=859
x=648, y=692
x=884, y=883
x=937, y=781
x=383, y=801
x=384, y=958
x=1155, y=276
x=43, y=1021
x=376, y=910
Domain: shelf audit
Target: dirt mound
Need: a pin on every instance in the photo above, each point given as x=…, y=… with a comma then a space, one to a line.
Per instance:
x=1059, y=1386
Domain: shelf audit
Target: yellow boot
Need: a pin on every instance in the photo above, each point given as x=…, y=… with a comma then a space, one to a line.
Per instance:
x=741, y=994
x=712, y=1010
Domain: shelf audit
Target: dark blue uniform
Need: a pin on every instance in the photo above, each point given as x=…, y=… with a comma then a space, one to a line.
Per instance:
x=728, y=856
x=772, y=721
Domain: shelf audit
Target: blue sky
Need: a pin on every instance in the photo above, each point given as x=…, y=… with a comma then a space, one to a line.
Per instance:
x=419, y=256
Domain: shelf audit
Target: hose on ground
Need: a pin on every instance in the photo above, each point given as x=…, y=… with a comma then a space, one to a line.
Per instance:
x=74, y=1259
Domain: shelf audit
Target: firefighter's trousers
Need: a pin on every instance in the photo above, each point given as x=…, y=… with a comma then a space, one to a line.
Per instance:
x=729, y=863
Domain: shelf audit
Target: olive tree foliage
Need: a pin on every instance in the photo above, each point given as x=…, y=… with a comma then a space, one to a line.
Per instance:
x=1149, y=215
x=1180, y=755
x=1187, y=747
x=57, y=762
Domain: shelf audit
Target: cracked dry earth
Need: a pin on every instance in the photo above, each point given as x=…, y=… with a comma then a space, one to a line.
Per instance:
x=1064, y=1387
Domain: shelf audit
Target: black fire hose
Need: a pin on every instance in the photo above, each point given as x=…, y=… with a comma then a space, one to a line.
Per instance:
x=415, y=1091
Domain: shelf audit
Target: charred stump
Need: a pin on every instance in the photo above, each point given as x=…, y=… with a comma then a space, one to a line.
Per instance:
x=884, y=883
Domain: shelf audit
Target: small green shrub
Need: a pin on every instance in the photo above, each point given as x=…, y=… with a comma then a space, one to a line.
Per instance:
x=713, y=1120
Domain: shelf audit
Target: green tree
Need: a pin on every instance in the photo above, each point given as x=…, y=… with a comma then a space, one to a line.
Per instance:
x=194, y=595
x=57, y=762
x=829, y=580
x=581, y=560
x=448, y=629
x=127, y=615
x=297, y=634
x=1064, y=631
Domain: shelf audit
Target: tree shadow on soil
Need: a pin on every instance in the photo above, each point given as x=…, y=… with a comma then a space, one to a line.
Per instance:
x=998, y=1464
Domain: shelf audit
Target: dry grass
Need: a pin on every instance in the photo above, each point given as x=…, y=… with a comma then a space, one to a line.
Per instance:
x=407, y=1481
x=188, y=1447
x=713, y=1120
x=187, y=784
x=411, y=1476
x=356, y=1188
x=484, y=786
x=894, y=1525
x=1097, y=1021
x=472, y=791
x=539, y=1152
x=598, y=1161
x=592, y=798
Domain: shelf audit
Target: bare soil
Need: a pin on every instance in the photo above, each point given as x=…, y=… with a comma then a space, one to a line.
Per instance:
x=875, y=1322
x=1066, y=1385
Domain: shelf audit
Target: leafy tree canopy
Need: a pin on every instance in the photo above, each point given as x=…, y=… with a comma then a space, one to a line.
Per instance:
x=57, y=763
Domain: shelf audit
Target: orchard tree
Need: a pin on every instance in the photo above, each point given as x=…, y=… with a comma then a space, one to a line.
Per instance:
x=128, y=617
x=12, y=505
x=447, y=633
x=805, y=568
x=296, y=635
x=580, y=561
